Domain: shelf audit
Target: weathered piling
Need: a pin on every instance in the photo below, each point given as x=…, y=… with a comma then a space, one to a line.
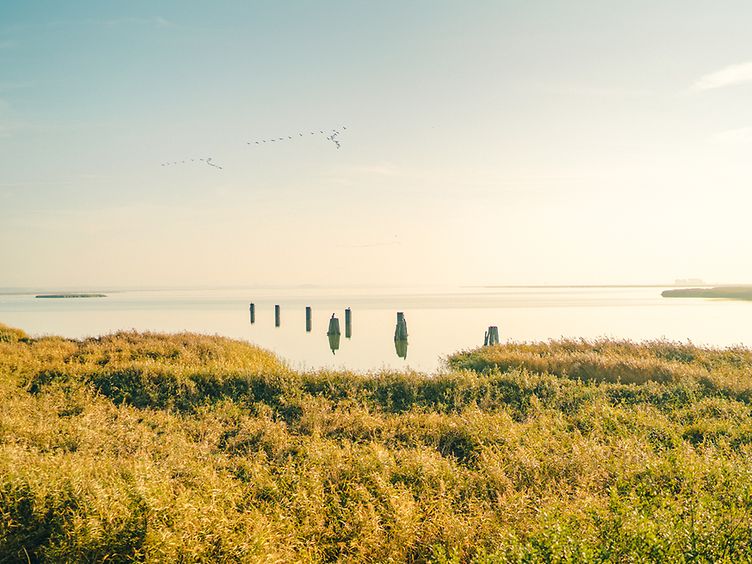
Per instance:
x=334, y=334
x=333, y=326
x=277, y=318
x=252, y=309
x=491, y=336
x=400, y=331
x=348, y=323
x=308, y=319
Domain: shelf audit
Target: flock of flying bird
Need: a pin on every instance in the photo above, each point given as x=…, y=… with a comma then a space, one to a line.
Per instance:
x=208, y=160
x=331, y=137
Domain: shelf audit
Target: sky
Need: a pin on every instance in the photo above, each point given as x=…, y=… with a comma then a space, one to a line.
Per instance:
x=487, y=142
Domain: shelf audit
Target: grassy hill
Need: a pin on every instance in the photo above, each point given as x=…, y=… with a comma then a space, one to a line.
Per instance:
x=140, y=446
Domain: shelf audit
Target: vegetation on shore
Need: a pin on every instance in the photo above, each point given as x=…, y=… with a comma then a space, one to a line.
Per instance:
x=140, y=446
x=723, y=292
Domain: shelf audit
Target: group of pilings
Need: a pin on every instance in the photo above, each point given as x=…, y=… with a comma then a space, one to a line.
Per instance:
x=333, y=332
x=490, y=338
x=333, y=322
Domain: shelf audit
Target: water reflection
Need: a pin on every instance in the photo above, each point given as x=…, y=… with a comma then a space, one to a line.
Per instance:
x=400, y=345
x=334, y=342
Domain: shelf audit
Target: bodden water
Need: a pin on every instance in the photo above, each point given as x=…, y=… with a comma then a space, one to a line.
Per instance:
x=440, y=320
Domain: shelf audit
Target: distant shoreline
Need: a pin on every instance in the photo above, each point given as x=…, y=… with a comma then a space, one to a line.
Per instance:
x=584, y=286
x=724, y=292
x=57, y=296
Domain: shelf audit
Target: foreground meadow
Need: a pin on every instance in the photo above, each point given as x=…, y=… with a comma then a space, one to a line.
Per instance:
x=184, y=448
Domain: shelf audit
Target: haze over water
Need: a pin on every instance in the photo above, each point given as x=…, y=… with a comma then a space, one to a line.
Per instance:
x=441, y=320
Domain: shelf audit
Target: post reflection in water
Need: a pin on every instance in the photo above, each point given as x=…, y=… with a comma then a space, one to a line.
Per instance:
x=348, y=323
x=334, y=342
x=400, y=345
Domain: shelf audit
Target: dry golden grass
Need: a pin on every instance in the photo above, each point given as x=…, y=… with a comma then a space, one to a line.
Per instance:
x=165, y=448
x=616, y=361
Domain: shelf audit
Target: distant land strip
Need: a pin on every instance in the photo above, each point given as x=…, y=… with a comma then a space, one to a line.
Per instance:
x=728, y=292
x=71, y=295
x=580, y=286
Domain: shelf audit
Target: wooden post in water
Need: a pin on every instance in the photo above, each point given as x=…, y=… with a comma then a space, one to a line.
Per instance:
x=333, y=326
x=276, y=316
x=400, y=336
x=252, y=309
x=400, y=331
x=334, y=334
x=492, y=336
x=348, y=323
x=308, y=319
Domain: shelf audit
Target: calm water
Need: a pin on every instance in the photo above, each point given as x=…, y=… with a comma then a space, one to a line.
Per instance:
x=440, y=321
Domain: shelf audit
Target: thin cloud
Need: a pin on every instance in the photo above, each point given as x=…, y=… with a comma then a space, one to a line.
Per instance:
x=604, y=91
x=741, y=135
x=7, y=44
x=151, y=21
x=727, y=76
x=365, y=245
x=155, y=21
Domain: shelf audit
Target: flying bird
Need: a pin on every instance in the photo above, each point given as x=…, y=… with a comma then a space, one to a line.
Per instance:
x=332, y=138
x=329, y=137
x=207, y=160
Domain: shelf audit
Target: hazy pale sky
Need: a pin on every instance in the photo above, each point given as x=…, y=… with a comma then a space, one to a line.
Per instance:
x=488, y=142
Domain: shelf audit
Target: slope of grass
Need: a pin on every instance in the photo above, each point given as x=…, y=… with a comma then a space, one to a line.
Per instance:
x=617, y=361
x=190, y=448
